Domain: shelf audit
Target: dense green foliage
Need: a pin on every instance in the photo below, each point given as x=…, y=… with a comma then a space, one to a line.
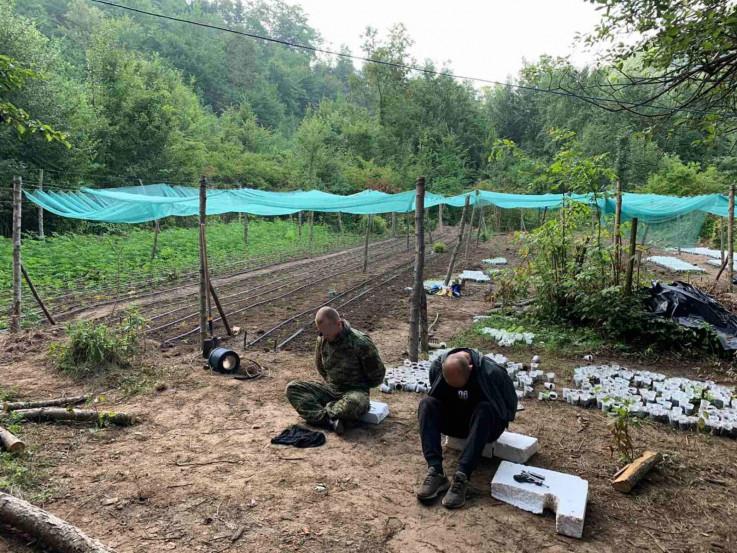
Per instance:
x=145, y=98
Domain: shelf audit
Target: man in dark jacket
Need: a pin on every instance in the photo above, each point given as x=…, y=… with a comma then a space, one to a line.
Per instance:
x=349, y=363
x=471, y=397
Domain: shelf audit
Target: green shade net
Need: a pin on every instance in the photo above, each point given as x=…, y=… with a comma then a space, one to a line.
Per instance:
x=664, y=220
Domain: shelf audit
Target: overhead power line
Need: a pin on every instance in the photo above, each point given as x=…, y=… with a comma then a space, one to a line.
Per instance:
x=396, y=65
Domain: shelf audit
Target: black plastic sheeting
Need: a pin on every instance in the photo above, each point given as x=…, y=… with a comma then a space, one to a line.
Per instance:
x=690, y=307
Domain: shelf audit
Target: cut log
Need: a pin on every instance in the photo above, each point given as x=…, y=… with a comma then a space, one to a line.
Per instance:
x=13, y=405
x=56, y=534
x=79, y=415
x=10, y=442
x=630, y=475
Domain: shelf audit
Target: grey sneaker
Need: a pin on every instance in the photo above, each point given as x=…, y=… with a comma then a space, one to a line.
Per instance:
x=433, y=485
x=456, y=496
x=337, y=426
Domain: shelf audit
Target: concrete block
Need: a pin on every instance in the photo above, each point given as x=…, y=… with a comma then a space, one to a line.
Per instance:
x=565, y=494
x=510, y=446
x=377, y=412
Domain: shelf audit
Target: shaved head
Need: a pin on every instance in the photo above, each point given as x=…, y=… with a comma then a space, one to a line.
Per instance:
x=328, y=323
x=457, y=369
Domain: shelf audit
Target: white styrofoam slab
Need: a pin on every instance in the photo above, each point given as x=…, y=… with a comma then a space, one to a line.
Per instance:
x=708, y=252
x=377, y=412
x=495, y=261
x=718, y=262
x=565, y=494
x=674, y=264
x=477, y=276
x=510, y=446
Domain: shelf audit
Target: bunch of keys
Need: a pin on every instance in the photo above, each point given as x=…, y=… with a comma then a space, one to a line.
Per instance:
x=530, y=478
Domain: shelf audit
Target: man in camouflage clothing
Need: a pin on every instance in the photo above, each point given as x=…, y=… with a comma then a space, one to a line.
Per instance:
x=350, y=364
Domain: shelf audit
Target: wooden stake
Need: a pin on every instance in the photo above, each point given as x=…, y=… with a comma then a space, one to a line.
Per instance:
x=406, y=224
x=440, y=217
x=245, y=230
x=54, y=533
x=203, y=274
x=457, y=247
x=157, y=229
x=299, y=224
x=730, y=237
x=482, y=223
x=428, y=225
x=36, y=296
x=10, y=442
x=366, y=244
x=424, y=330
x=631, y=258
x=340, y=223
x=394, y=224
x=312, y=224
x=417, y=288
x=15, y=313
x=219, y=308
x=618, y=234
x=41, y=209
x=470, y=227
x=630, y=475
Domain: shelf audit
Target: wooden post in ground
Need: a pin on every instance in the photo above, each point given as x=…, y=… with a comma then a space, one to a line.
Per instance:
x=417, y=286
x=340, y=222
x=394, y=224
x=730, y=237
x=470, y=227
x=457, y=247
x=482, y=223
x=366, y=243
x=721, y=239
x=41, y=234
x=15, y=312
x=203, y=274
x=406, y=224
x=299, y=224
x=312, y=224
x=618, y=233
x=428, y=225
x=36, y=296
x=631, y=258
x=440, y=217
x=219, y=306
x=245, y=230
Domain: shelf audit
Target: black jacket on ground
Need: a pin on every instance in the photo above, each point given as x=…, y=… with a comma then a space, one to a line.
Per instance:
x=496, y=385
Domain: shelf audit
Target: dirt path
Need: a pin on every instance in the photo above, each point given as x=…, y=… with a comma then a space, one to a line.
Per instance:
x=199, y=472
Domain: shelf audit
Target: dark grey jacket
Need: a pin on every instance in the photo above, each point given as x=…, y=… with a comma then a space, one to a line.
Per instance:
x=495, y=383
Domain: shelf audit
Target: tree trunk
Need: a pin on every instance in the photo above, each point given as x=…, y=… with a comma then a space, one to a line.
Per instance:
x=10, y=442
x=418, y=289
x=15, y=313
x=57, y=535
x=457, y=247
x=56, y=414
x=14, y=405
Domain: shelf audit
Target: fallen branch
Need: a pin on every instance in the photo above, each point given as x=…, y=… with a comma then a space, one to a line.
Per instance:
x=10, y=442
x=630, y=475
x=53, y=532
x=14, y=405
x=79, y=415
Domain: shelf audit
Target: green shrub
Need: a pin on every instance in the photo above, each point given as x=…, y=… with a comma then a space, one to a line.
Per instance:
x=439, y=247
x=92, y=348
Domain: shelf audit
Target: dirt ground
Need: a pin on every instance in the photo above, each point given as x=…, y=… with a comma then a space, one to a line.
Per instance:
x=198, y=473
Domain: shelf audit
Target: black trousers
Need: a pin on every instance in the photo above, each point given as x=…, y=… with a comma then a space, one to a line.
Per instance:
x=479, y=427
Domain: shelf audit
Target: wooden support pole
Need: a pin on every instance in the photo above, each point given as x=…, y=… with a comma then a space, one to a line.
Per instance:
x=366, y=243
x=219, y=308
x=457, y=247
x=203, y=273
x=10, y=441
x=618, y=233
x=54, y=533
x=522, y=220
x=299, y=224
x=730, y=237
x=424, y=331
x=470, y=227
x=312, y=224
x=418, y=289
x=41, y=234
x=440, y=217
x=245, y=230
x=15, y=312
x=155, y=246
x=428, y=225
x=40, y=303
x=630, y=475
x=394, y=224
x=631, y=258
x=482, y=223
x=406, y=224
x=340, y=222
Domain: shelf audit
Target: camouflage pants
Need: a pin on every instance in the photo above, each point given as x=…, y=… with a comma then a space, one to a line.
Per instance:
x=316, y=402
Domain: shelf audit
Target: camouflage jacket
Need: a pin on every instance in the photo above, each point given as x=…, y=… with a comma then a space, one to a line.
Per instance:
x=350, y=362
